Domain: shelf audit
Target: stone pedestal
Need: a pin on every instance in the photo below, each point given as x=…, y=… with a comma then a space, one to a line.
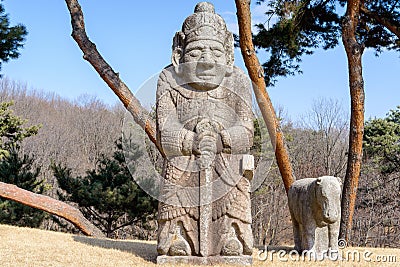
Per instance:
x=211, y=260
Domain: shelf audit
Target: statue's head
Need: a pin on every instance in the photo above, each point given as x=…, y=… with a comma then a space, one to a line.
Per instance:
x=203, y=50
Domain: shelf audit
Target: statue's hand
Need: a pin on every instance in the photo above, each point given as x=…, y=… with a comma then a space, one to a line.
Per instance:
x=219, y=144
x=204, y=125
x=196, y=146
x=207, y=142
x=208, y=125
x=207, y=148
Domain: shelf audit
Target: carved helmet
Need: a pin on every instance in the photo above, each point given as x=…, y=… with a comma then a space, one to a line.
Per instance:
x=204, y=24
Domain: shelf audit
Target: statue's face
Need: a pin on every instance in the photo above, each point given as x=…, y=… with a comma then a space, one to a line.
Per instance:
x=204, y=64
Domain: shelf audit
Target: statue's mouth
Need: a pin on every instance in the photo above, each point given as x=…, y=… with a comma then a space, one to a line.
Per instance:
x=330, y=218
x=206, y=76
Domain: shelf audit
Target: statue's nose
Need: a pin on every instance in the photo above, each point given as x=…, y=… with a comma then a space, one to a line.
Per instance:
x=206, y=60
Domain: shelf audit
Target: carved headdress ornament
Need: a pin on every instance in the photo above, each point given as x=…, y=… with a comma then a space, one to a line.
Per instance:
x=204, y=24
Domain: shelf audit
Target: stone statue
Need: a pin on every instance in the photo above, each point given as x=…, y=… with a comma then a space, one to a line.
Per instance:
x=205, y=129
x=314, y=205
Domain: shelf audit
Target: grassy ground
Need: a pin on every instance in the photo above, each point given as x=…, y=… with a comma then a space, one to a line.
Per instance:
x=32, y=247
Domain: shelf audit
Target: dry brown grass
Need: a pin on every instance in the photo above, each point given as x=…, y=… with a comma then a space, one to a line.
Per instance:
x=33, y=247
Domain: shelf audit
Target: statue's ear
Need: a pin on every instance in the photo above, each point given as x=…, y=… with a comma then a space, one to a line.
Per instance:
x=229, y=50
x=229, y=70
x=319, y=181
x=176, y=59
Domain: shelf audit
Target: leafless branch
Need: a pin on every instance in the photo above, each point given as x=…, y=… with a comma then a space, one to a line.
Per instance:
x=90, y=53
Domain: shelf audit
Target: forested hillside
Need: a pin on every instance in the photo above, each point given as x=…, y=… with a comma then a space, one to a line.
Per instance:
x=73, y=133
x=80, y=138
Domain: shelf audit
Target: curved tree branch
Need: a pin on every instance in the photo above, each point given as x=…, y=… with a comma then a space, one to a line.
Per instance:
x=51, y=205
x=264, y=102
x=395, y=29
x=90, y=53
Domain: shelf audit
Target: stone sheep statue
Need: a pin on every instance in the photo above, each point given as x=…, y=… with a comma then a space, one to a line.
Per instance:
x=314, y=205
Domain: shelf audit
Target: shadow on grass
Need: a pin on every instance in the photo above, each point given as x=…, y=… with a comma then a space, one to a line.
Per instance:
x=143, y=250
x=275, y=248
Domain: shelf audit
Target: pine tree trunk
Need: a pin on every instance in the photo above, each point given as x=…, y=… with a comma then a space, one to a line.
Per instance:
x=51, y=205
x=354, y=51
x=264, y=102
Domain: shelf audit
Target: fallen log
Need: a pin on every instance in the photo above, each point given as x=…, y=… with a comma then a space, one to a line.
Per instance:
x=50, y=205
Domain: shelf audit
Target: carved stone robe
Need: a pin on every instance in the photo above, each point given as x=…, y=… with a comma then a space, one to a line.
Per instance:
x=180, y=111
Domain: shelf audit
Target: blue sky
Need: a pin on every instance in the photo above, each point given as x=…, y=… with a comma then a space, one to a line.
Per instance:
x=135, y=38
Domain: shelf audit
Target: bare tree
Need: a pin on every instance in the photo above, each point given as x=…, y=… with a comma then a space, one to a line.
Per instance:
x=271, y=219
x=377, y=209
x=327, y=123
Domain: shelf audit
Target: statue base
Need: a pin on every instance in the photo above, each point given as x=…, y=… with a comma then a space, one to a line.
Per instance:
x=244, y=260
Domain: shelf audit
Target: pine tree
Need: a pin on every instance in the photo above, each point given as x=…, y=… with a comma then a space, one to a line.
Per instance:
x=382, y=141
x=297, y=28
x=18, y=170
x=11, y=130
x=108, y=196
x=11, y=38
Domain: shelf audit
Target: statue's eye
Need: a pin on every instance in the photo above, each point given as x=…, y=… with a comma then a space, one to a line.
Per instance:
x=194, y=53
x=217, y=53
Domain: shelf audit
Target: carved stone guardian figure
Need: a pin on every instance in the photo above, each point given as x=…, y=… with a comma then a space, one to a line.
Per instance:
x=205, y=129
x=314, y=205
